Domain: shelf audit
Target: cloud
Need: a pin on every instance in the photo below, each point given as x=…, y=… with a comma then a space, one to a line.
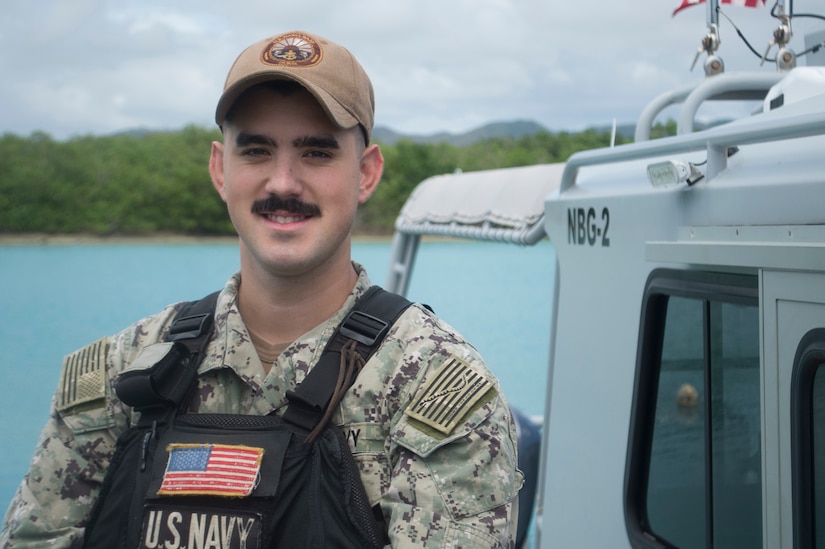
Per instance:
x=100, y=66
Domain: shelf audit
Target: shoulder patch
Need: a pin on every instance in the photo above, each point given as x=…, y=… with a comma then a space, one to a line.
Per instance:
x=83, y=379
x=449, y=396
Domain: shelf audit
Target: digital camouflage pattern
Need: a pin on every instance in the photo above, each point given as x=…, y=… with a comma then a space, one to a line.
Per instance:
x=453, y=489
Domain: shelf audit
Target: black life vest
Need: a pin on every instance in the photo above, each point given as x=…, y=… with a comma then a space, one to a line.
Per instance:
x=221, y=481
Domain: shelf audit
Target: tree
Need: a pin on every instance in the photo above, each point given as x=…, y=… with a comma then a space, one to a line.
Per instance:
x=158, y=182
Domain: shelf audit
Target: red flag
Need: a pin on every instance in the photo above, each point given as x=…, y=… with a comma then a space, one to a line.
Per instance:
x=741, y=3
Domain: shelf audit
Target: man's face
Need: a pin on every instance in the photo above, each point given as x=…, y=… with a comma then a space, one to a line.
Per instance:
x=292, y=182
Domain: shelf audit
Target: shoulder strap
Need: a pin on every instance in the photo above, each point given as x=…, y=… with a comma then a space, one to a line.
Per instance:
x=171, y=368
x=193, y=325
x=169, y=380
x=366, y=325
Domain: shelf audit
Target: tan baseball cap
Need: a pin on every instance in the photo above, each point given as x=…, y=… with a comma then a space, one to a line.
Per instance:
x=328, y=71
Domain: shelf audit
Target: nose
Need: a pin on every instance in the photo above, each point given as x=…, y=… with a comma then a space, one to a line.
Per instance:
x=283, y=179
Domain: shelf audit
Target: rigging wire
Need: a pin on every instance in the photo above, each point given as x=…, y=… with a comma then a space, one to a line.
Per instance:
x=812, y=49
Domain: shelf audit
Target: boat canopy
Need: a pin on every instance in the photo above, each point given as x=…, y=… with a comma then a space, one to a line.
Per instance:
x=505, y=205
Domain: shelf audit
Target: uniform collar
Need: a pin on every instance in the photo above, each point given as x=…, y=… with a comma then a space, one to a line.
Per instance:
x=233, y=348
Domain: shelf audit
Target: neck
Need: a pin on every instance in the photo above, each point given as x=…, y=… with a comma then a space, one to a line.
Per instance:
x=280, y=310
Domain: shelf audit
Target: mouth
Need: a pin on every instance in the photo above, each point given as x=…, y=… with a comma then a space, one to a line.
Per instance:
x=285, y=211
x=285, y=219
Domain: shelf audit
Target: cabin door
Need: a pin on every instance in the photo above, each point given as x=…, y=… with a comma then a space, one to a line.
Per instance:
x=793, y=388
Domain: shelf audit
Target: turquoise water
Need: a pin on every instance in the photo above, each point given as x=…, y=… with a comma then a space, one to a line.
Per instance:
x=54, y=299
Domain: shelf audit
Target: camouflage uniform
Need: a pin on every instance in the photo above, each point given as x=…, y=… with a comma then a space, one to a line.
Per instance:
x=438, y=484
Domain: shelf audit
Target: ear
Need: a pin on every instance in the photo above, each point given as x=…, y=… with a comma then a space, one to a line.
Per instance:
x=216, y=169
x=372, y=166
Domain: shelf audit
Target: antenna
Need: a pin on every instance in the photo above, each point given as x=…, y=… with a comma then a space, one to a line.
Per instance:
x=710, y=43
x=785, y=57
x=613, y=134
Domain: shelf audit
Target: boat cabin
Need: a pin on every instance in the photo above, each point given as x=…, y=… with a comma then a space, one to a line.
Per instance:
x=685, y=401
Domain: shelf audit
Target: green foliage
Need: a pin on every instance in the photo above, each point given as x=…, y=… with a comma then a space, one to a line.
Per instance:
x=663, y=130
x=408, y=164
x=113, y=185
x=158, y=182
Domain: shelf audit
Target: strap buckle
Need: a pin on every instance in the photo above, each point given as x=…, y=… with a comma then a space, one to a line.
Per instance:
x=190, y=327
x=363, y=328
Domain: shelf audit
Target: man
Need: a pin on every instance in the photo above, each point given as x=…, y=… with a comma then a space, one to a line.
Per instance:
x=295, y=162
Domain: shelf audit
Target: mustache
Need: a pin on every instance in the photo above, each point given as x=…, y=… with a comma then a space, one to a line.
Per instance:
x=274, y=203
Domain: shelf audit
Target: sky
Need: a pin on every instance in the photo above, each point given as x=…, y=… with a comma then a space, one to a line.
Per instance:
x=79, y=67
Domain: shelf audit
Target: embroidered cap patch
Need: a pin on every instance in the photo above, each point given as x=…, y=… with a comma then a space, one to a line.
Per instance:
x=449, y=395
x=211, y=470
x=294, y=49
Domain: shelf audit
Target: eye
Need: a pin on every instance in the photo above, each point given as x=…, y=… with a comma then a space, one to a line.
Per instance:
x=317, y=155
x=254, y=152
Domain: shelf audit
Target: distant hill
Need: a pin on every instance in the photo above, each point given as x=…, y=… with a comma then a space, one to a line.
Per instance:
x=514, y=129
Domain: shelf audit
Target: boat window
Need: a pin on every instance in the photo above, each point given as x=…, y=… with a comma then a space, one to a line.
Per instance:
x=808, y=440
x=694, y=474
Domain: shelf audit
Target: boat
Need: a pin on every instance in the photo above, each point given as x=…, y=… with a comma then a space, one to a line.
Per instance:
x=685, y=401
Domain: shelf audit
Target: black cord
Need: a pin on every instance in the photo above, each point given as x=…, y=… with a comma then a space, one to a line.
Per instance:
x=742, y=36
x=812, y=49
x=795, y=15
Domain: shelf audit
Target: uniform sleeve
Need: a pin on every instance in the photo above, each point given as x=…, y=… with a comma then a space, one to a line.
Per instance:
x=454, y=478
x=55, y=498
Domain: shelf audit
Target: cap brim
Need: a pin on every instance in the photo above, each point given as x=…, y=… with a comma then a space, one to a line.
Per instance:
x=335, y=111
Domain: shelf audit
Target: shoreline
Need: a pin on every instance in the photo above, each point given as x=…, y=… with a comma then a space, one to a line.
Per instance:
x=73, y=239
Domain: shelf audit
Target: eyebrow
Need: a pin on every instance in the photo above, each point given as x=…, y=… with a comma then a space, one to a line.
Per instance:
x=317, y=142
x=245, y=139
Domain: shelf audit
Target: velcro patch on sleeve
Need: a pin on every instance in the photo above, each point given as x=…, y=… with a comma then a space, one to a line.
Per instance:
x=84, y=376
x=446, y=398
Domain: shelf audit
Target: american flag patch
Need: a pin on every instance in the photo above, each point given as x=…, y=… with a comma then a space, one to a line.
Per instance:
x=211, y=470
x=84, y=376
x=448, y=396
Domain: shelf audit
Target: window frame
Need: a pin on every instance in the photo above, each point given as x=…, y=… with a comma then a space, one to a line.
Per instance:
x=809, y=357
x=660, y=286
